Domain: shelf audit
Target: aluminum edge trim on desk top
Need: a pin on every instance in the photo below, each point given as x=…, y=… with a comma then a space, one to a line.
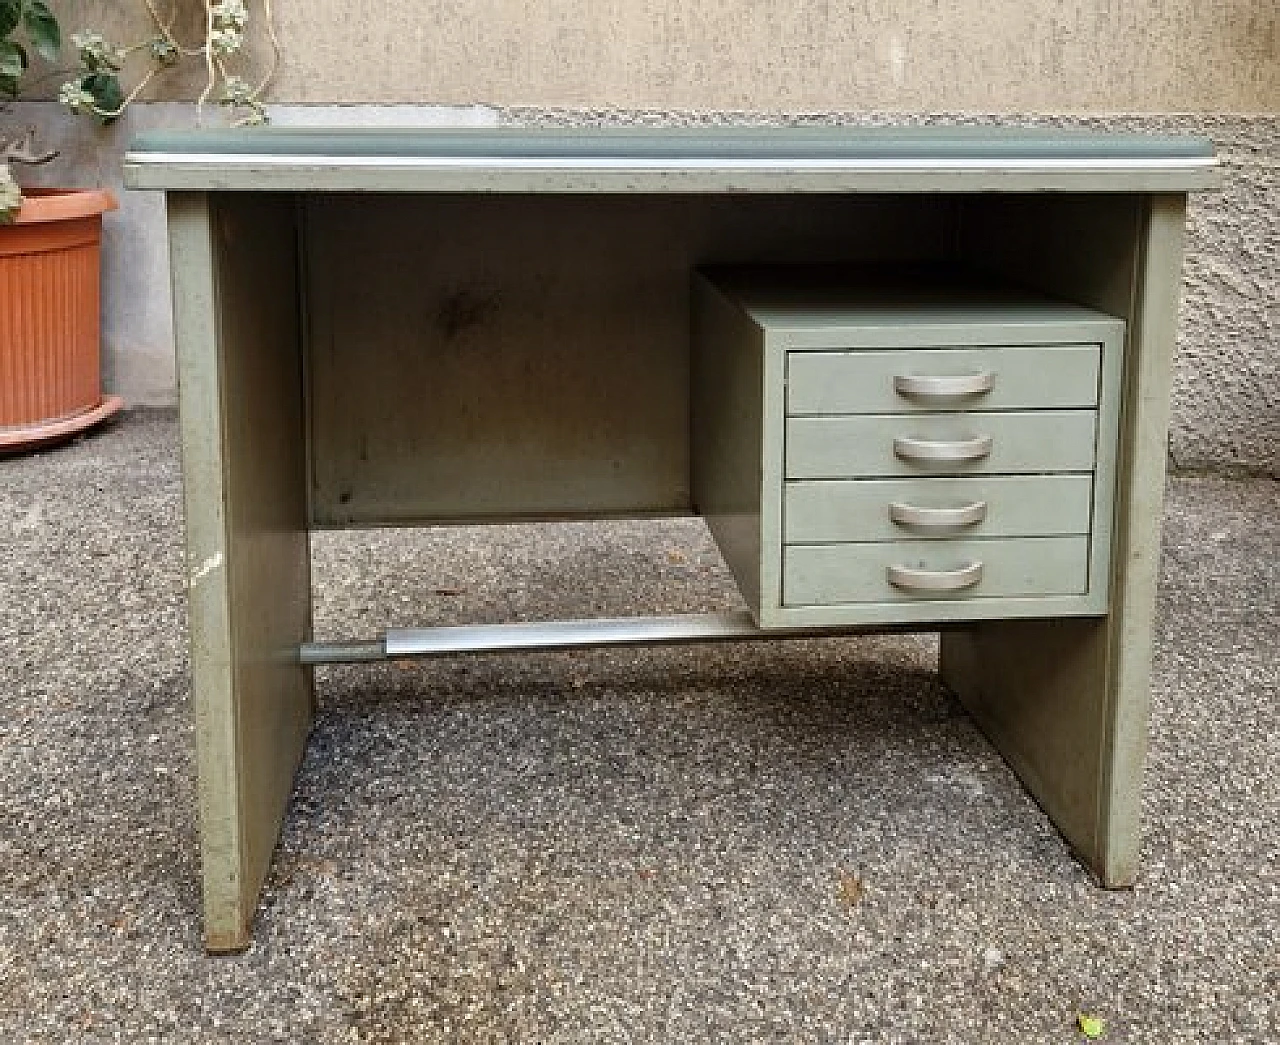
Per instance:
x=762, y=159
x=231, y=172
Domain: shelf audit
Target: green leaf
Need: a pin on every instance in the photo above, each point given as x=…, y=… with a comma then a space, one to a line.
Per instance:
x=8, y=86
x=43, y=29
x=105, y=88
x=13, y=59
x=10, y=16
x=1091, y=1027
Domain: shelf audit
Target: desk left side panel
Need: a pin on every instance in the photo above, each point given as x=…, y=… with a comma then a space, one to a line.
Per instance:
x=234, y=261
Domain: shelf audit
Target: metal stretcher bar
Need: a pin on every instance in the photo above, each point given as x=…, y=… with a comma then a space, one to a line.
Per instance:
x=549, y=635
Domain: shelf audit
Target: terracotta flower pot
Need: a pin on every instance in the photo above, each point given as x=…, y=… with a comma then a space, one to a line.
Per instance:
x=50, y=373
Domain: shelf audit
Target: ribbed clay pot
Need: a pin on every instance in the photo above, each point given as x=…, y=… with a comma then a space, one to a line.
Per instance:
x=50, y=370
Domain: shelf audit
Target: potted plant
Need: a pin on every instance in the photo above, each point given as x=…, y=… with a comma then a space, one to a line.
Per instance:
x=50, y=239
x=50, y=249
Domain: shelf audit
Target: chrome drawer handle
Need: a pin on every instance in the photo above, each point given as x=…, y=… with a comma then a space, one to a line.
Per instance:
x=910, y=578
x=942, y=451
x=937, y=518
x=948, y=387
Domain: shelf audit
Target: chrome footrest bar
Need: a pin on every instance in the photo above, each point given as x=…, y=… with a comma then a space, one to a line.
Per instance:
x=550, y=635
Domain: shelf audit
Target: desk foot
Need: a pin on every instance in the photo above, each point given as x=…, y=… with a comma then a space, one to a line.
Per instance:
x=1049, y=700
x=225, y=943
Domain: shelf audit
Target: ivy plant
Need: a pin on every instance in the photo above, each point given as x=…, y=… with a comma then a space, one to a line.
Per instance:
x=109, y=76
x=25, y=26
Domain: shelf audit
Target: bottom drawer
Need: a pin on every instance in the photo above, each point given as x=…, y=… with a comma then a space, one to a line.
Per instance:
x=830, y=574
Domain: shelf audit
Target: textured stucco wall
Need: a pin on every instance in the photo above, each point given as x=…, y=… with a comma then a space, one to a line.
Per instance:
x=764, y=55
x=1226, y=408
x=1226, y=395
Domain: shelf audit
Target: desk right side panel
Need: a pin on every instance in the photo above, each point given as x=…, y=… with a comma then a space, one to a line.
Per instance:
x=1066, y=701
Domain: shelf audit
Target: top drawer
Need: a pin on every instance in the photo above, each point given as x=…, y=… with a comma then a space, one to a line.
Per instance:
x=1000, y=378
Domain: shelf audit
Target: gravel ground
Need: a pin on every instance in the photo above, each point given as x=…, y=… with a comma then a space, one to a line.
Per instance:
x=783, y=842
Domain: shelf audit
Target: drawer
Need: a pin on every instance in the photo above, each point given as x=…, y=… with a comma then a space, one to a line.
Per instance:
x=852, y=445
x=831, y=574
x=897, y=509
x=1004, y=378
x=841, y=430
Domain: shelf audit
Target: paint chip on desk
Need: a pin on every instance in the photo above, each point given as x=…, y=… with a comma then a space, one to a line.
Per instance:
x=210, y=564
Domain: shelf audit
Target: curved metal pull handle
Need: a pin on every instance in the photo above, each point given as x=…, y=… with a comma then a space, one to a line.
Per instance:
x=937, y=518
x=944, y=387
x=915, y=579
x=942, y=451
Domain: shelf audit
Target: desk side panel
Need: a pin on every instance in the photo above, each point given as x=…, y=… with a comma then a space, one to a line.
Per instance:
x=727, y=423
x=1067, y=701
x=240, y=370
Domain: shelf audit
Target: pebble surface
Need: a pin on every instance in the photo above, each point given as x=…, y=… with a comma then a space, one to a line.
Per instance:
x=796, y=841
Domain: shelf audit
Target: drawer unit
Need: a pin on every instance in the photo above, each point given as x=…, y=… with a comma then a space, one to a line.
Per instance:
x=917, y=454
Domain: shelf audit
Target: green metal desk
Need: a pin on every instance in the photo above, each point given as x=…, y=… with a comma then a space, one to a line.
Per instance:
x=424, y=327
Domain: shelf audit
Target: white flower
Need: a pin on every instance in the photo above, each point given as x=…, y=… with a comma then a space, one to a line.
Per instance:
x=231, y=14
x=76, y=98
x=225, y=41
x=235, y=91
x=96, y=53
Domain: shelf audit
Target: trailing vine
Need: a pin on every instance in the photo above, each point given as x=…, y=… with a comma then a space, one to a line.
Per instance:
x=109, y=76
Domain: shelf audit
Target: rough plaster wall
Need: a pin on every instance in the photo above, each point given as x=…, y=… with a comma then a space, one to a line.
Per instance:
x=1226, y=393
x=762, y=55
x=979, y=55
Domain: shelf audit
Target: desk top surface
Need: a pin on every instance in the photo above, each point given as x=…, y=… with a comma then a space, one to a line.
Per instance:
x=711, y=159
